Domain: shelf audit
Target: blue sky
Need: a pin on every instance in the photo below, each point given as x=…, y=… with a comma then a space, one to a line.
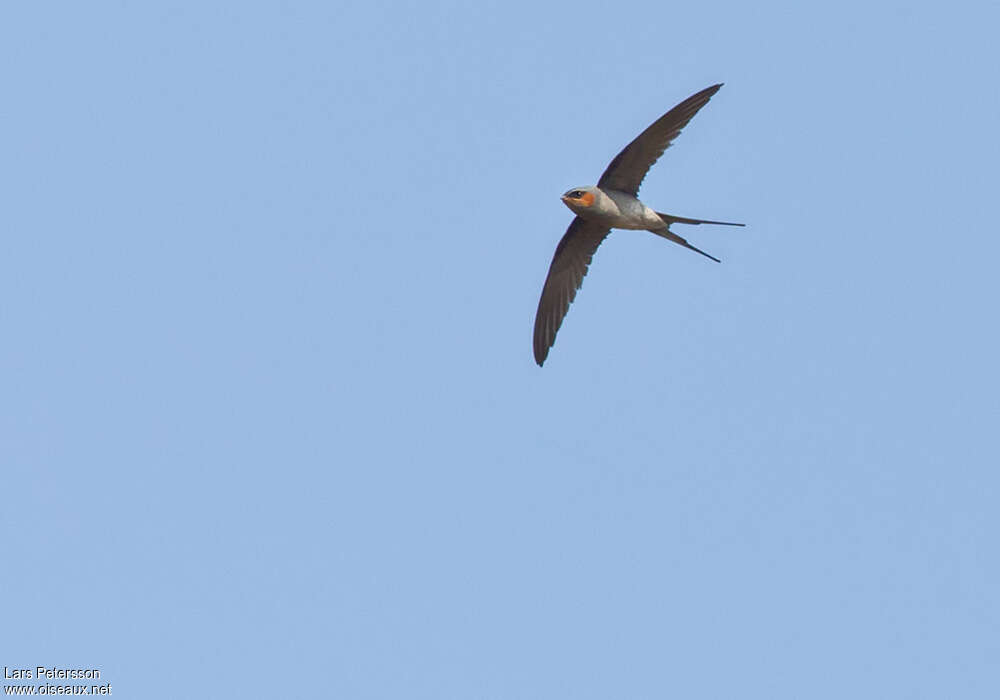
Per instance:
x=270, y=424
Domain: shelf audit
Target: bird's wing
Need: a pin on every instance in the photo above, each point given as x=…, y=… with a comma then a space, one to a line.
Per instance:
x=569, y=265
x=627, y=170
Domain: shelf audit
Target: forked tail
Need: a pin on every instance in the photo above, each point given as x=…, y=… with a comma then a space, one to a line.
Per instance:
x=671, y=236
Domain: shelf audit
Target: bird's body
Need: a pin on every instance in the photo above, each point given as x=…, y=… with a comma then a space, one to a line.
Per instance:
x=612, y=203
x=614, y=208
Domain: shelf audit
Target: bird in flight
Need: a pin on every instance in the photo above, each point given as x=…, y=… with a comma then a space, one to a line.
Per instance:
x=612, y=203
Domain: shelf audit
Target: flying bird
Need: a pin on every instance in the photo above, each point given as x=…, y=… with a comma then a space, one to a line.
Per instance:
x=612, y=203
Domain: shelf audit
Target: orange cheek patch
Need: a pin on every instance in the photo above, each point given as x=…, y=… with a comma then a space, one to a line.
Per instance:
x=587, y=199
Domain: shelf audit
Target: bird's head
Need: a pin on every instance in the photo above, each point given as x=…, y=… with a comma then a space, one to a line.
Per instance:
x=580, y=198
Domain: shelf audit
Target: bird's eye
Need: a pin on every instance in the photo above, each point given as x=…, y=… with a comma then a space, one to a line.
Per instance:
x=576, y=194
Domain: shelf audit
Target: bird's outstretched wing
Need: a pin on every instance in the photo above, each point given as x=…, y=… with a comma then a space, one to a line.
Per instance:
x=627, y=170
x=569, y=265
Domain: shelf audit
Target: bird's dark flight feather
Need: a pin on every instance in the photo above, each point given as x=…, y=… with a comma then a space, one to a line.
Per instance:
x=566, y=273
x=628, y=169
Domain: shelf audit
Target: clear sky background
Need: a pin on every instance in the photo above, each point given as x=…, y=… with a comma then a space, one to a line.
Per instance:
x=269, y=418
